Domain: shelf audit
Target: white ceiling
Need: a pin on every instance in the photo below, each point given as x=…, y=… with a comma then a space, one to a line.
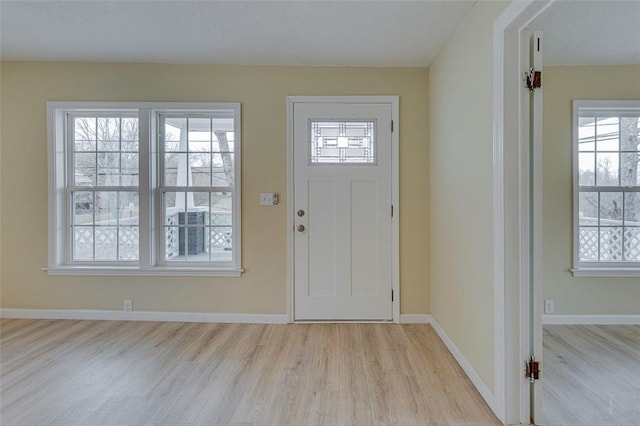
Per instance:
x=601, y=32
x=350, y=33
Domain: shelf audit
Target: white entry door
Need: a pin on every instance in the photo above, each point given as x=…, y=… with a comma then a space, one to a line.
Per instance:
x=343, y=211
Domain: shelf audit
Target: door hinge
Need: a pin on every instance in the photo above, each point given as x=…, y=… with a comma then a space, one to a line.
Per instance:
x=532, y=369
x=391, y=126
x=533, y=79
x=391, y=210
x=392, y=295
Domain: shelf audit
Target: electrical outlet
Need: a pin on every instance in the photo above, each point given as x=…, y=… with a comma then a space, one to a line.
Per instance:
x=127, y=305
x=549, y=306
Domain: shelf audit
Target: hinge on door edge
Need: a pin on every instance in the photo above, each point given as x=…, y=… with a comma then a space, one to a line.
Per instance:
x=532, y=369
x=391, y=126
x=533, y=79
x=392, y=295
x=391, y=210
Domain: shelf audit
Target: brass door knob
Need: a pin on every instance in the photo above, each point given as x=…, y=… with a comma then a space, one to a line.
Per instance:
x=300, y=228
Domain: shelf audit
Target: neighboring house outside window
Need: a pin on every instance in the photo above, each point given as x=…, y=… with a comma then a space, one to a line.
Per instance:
x=144, y=189
x=606, y=152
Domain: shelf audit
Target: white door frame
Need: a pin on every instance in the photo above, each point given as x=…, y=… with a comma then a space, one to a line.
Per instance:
x=511, y=211
x=393, y=101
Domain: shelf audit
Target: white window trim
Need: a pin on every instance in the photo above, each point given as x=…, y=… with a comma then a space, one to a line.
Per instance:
x=148, y=264
x=596, y=269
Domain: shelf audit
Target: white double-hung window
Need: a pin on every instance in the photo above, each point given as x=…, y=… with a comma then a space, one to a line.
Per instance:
x=606, y=152
x=144, y=188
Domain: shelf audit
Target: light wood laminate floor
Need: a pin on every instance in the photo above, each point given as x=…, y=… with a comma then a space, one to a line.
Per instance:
x=591, y=375
x=119, y=373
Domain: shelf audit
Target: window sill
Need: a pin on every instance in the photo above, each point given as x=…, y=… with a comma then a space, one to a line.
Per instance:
x=158, y=271
x=605, y=272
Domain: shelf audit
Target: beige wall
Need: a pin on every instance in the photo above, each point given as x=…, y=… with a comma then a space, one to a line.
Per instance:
x=460, y=188
x=262, y=91
x=561, y=86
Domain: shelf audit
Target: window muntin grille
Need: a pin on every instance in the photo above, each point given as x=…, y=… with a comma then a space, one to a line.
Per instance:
x=103, y=193
x=342, y=142
x=197, y=190
x=608, y=188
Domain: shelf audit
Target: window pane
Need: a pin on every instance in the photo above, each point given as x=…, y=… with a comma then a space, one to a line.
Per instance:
x=607, y=133
x=106, y=208
x=586, y=166
x=221, y=243
x=611, y=209
x=222, y=169
x=82, y=208
x=174, y=203
x=342, y=142
x=221, y=208
x=630, y=134
x=108, y=130
x=223, y=141
x=192, y=232
x=200, y=165
x=588, y=244
x=199, y=134
x=82, y=243
x=588, y=208
x=128, y=208
x=84, y=169
x=630, y=169
x=632, y=208
x=171, y=242
x=586, y=134
x=85, y=131
x=607, y=169
x=129, y=170
x=108, y=169
x=106, y=238
x=175, y=169
x=221, y=232
x=632, y=244
x=128, y=243
x=223, y=128
x=130, y=133
x=174, y=131
x=611, y=244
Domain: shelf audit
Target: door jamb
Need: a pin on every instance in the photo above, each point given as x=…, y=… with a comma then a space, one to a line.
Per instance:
x=395, y=191
x=510, y=123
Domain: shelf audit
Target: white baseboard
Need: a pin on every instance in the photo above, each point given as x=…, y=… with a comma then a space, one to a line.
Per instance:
x=416, y=318
x=486, y=394
x=80, y=314
x=591, y=319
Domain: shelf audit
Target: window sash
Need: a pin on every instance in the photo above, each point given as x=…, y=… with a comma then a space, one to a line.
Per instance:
x=71, y=186
x=599, y=109
x=202, y=235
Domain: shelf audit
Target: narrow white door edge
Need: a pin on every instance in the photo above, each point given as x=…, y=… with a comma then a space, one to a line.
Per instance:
x=507, y=131
x=395, y=190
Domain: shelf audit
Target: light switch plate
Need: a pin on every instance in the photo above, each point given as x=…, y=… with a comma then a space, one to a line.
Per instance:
x=268, y=198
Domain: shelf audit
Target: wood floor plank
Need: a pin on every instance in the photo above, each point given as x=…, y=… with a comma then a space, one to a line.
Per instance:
x=591, y=375
x=60, y=372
